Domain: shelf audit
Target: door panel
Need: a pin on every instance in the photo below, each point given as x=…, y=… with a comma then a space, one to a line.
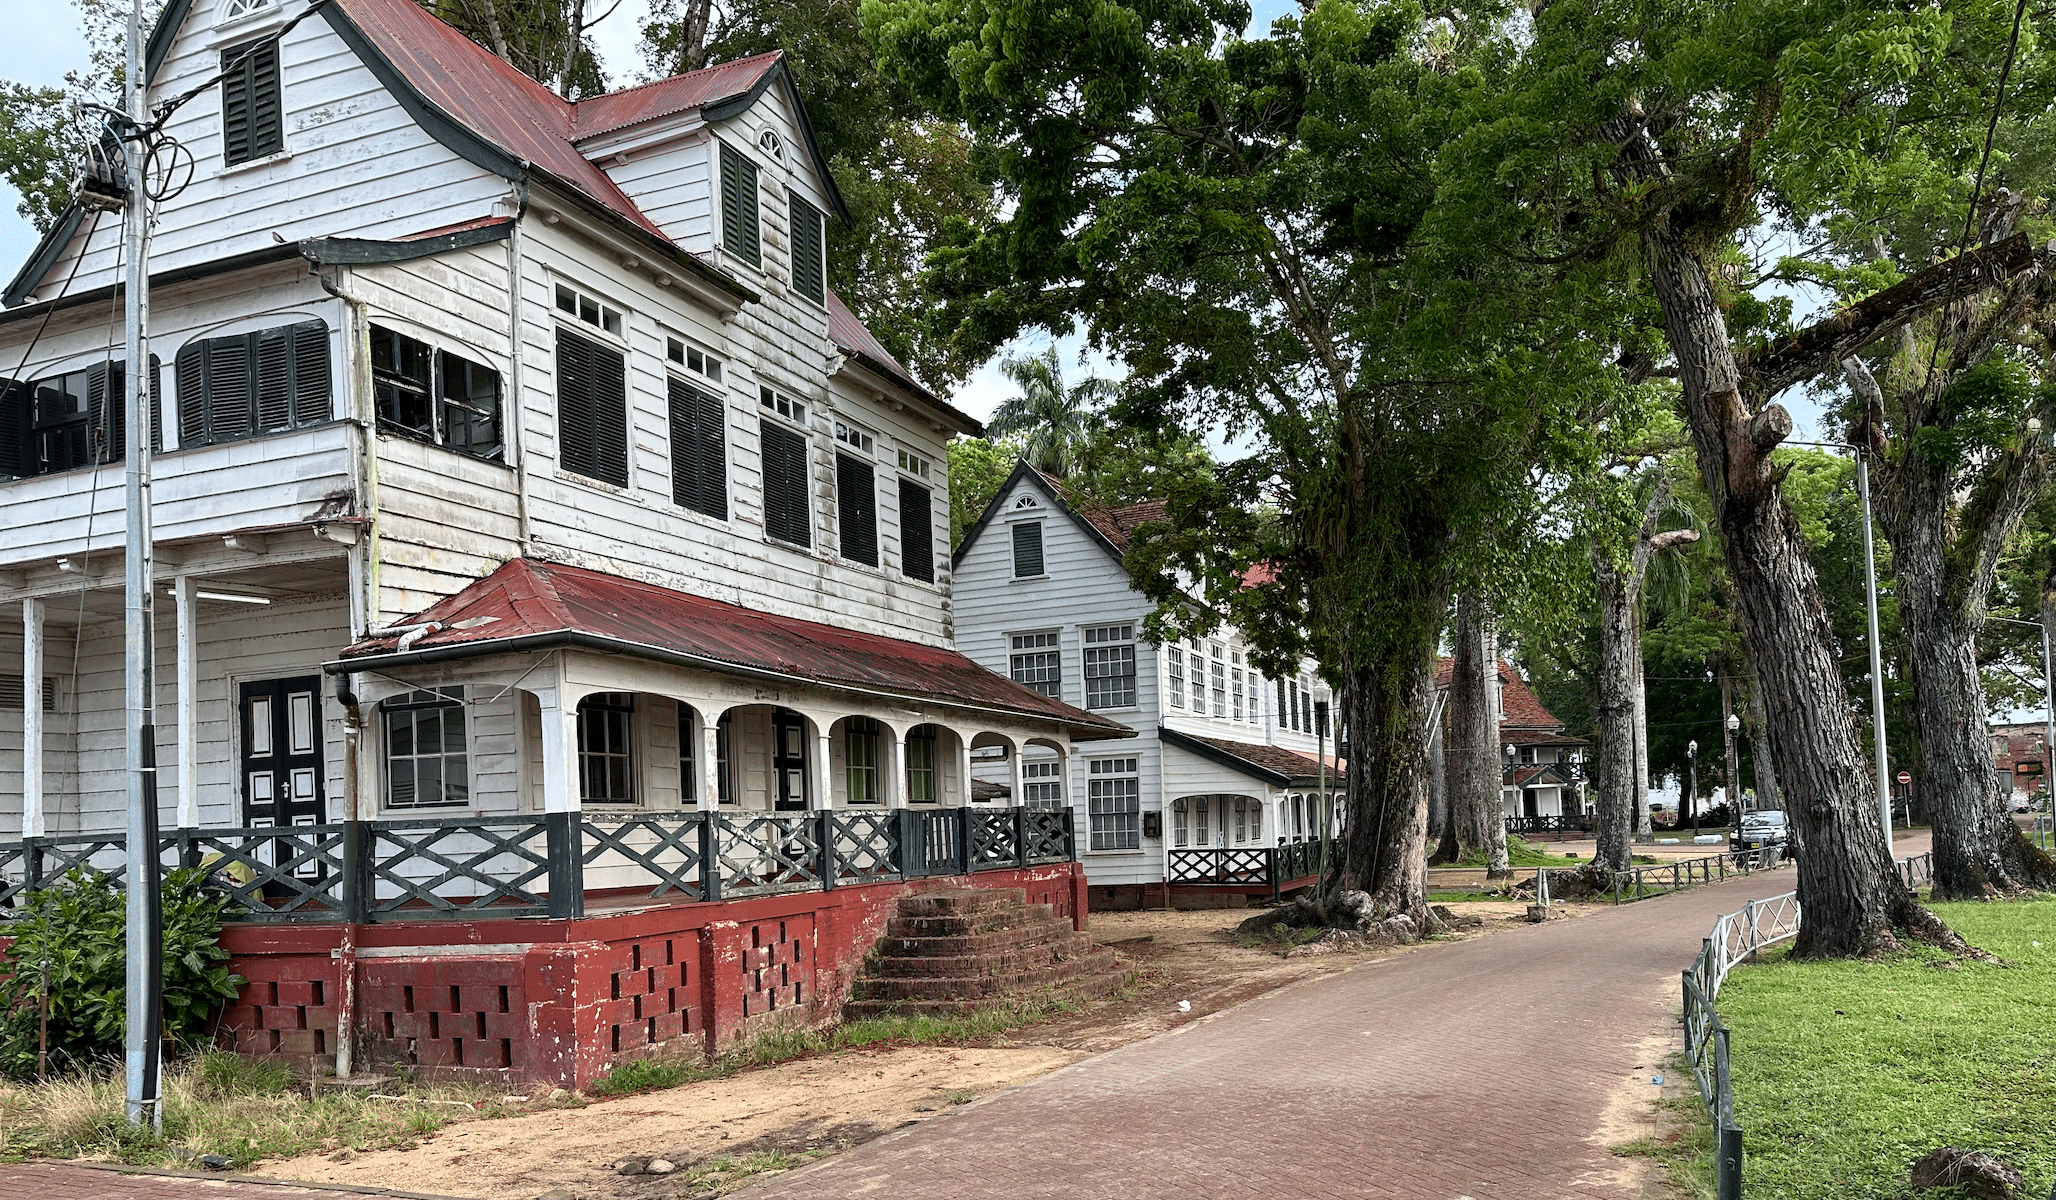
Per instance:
x=282, y=769
x=789, y=759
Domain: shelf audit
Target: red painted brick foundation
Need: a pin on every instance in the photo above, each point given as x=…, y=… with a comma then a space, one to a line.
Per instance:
x=557, y=1003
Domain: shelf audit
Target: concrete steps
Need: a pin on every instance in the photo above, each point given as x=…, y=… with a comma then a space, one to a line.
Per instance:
x=952, y=953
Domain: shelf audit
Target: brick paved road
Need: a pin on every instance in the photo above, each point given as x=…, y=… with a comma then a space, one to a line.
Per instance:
x=51, y=1181
x=1482, y=1069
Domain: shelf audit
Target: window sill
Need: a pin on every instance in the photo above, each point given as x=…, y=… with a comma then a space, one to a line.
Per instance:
x=397, y=435
x=598, y=485
x=255, y=164
x=1030, y=578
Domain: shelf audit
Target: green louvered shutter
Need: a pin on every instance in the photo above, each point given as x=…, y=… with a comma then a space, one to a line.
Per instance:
x=739, y=207
x=699, y=451
x=856, y=508
x=252, y=109
x=917, y=531
x=809, y=267
x=592, y=409
x=785, y=484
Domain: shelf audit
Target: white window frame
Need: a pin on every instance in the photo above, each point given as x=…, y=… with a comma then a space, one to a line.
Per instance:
x=1102, y=645
x=412, y=705
x=1114, y=781
x=1020, y=645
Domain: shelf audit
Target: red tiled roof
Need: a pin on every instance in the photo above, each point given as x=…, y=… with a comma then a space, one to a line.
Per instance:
x=1276, y=759
x=526, y=598
x=1523, y=709
x=1114, y=524
x=1538, y=737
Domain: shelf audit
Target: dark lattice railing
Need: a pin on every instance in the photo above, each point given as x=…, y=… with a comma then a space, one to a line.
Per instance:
x=552, y=864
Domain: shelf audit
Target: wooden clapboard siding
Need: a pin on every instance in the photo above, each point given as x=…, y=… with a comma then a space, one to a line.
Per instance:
x=670, y=183
x=236, y=643
x=358, y=165
x=59, y=763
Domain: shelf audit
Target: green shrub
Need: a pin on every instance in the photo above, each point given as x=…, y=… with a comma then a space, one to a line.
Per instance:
x=638, y=1075
x=75, y=930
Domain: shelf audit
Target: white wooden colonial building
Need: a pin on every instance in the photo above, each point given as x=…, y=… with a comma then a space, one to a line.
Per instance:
x=1218, y=798
x=521, y=483
x=1542, y=786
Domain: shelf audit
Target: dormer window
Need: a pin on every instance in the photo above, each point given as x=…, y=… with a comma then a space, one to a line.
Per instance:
x=770, y=143
x=236, y=10
x=252, y=110
x=739, y=233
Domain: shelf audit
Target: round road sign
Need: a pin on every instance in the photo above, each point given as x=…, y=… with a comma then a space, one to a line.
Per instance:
x=1905, y=777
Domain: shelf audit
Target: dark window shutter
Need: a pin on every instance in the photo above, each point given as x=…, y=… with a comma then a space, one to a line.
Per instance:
x=228, y=386
x=156, y=404
x=191, y=369
x=917, y=532
x=809, y=272
x=1027, y=549
x=274, y=380
x=856, y=509
x=699, y=451
x=106, y=413
x=785, y=485
x=252, y=109
x=310, y=372
x=14, y=429
x=592, y=409
x=739, y=234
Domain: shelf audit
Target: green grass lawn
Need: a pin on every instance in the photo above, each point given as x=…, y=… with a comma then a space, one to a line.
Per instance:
x=1846, y=1072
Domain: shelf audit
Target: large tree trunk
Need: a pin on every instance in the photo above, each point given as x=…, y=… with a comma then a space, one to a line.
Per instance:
x=1474, y=773
x=1387, y=706
x=1850, y=889
x=1614, y=814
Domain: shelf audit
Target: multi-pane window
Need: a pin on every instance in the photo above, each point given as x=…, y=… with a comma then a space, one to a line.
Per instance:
x=1235, y=690
x=1114, y=804
x=1219, y=674
x=921, y=785
x=1241, y=818
x=853, y=437
x=579, y=306
x=913, y=464
x=787, y=515
x=435, y=396
x=427, y=765
x=1282, y=710
x=856, y=507
x=782, y=404
x=1174, y=658
x=1028, y=549
x=76, y=419
x=606, y=748
x=1110, y=666
x=809, y=250
x=1198, y=665
x=860, y=760
x=739, y=233
x=592, y=408
x=724, y=776
x=917, y=531
x=1181, y=822
x=1044, y=783
x=694, y=360
x=252, y=108
x=1202, y=809
x=1256, y=820
x=246, y=384
x=1036, y=663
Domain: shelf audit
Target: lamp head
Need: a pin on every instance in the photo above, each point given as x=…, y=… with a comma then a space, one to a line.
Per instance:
x=1692, y=749
x=1734, y=722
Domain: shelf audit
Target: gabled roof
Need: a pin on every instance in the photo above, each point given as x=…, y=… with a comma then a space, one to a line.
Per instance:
x=1523, y=709
x=1111, y=532
x=499, y=119
x=528, y=605
x=855, y=340
x=1274, y=765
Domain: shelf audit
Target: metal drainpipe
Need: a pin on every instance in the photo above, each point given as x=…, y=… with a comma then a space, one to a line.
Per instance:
x=511, y=405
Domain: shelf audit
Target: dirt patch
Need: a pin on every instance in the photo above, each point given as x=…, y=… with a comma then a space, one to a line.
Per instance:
x=720, y=1133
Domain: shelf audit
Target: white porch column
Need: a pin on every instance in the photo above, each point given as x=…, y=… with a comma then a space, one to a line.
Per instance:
x=32, y=718
x=709, y=760
x=185, y=632
x=1019, y=799
x=823, y=786
x=963, y=771
x=561, y=792
x=892, y=769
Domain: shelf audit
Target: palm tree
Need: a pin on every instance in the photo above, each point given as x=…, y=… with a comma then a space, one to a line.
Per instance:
x=1053, y=420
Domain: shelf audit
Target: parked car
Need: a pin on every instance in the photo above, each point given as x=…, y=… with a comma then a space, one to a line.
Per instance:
x=1767, y=827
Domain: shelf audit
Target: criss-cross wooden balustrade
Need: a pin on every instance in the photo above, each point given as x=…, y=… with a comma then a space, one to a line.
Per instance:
x=547, y=865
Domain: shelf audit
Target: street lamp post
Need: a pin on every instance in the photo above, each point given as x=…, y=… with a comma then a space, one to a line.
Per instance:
x=1692, y=794
x=1734, y=768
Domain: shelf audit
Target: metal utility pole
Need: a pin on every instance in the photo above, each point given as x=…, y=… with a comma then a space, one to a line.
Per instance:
x=1692, y=790
x=142, y=1044
x=1877, y=666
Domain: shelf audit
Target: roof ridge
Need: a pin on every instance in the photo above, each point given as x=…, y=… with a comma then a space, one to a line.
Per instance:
x=719, y=66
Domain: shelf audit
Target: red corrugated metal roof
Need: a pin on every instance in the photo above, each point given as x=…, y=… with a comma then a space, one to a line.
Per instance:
x=666, y=97
x=1290, y=763
x=528, y=598
x=1523, y=708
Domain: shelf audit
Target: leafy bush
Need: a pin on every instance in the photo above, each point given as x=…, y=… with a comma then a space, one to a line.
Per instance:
x=76, y=929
